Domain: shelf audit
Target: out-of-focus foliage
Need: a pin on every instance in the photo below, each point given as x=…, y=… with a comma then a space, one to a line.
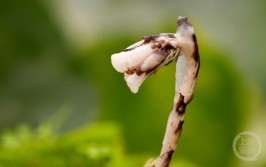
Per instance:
x=35, y=76
x=40, y=71
x=92, y=146
x=97, y=145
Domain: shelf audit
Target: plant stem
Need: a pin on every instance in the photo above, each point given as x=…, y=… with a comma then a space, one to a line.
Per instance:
x=173, y=132
x=185, y=81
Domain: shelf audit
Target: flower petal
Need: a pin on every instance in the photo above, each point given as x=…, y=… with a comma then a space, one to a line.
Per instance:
x=134, y=81
x=144, y=57
x=131, y=59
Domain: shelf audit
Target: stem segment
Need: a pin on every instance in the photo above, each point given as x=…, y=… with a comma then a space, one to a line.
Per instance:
x=173, y=131
x=185, y=82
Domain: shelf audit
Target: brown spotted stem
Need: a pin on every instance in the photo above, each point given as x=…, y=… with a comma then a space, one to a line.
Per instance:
x=183, y=95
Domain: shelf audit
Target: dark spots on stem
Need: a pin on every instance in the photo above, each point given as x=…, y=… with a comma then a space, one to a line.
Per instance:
x=181, y=105
x=167, y=156
x=196, y=55
x=170, y=154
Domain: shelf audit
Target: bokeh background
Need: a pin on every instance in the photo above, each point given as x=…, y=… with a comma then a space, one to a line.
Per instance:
x=62, y=103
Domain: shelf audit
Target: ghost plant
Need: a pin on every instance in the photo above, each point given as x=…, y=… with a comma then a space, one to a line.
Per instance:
x=145, y=57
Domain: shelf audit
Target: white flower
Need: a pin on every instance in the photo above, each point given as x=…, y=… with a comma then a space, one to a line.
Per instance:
x=145, y=57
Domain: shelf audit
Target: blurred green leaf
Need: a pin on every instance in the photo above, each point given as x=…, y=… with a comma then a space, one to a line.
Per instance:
x=94, y=146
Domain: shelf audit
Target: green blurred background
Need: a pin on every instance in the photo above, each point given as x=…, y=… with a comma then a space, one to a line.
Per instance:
x=62, y=103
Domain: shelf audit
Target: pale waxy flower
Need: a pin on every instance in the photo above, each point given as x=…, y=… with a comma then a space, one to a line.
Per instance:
x=144, y=57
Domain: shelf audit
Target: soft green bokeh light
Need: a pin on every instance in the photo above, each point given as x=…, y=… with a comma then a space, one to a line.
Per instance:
x=55, y=58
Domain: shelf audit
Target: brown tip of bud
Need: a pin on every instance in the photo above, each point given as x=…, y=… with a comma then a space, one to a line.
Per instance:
x=182, y=20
